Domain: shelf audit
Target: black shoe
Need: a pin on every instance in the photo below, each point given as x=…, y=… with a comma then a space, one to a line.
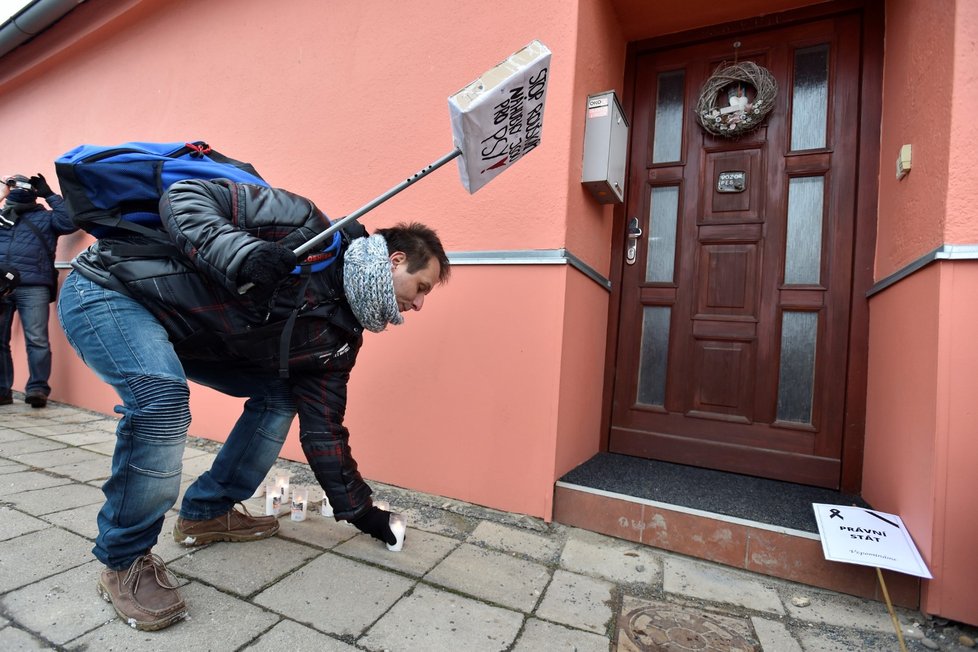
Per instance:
x=6, y=400
x=36, y=400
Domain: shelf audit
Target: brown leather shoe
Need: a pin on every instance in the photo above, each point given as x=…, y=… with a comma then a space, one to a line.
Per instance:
x=233, y=526
x=36, y=400
x=145, y=596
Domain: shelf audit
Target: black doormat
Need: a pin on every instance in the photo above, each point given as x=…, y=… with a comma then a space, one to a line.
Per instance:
x=754, y=499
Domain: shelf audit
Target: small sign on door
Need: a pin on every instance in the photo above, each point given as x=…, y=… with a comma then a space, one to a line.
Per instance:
x=868, y=538
x=732, y=181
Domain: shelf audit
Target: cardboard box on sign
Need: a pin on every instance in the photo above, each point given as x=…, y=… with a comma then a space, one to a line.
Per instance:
x=498, y=118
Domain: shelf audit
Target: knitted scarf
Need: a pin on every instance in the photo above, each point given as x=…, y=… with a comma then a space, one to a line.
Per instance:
x=369, y=283
x=12, y=210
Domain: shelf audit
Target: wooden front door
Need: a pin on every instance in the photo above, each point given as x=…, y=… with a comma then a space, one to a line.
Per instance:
x=733, y=332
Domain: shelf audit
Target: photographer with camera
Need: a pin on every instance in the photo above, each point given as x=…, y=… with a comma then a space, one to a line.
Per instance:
x=28, y=280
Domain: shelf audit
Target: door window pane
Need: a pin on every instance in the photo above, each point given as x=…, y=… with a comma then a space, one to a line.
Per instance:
x=803, y=247
x=654, y=355
x=796, y=378
x=663, y=213
x=668, y=139
x=809, y=98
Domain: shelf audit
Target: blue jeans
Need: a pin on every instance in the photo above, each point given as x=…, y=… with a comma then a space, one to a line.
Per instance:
x=32, y=303
x=128, y=348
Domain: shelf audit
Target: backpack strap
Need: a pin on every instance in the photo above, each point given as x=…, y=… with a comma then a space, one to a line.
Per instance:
x=133, y=250
x=286, y=339
x=40, y=237
x=116, y=221
x=161, y=248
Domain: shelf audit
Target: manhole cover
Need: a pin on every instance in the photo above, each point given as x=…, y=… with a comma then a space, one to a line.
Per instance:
x=646, y=626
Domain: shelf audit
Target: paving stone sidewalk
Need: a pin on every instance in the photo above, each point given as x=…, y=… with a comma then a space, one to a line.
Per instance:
x=468, y=579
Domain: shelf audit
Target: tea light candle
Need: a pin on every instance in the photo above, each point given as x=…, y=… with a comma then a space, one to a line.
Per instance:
x=315, y=500
x=273, y=500
x=300, y=497
x=282, y=482
x=399, y=527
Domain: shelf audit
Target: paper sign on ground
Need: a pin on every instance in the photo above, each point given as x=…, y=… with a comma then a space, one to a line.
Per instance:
x=497, y=119
x=868, y=538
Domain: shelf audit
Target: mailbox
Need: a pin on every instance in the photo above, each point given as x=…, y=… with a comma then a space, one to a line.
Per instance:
x=605, y=148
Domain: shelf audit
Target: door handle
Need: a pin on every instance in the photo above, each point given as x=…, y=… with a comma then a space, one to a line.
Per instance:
x=632, y=234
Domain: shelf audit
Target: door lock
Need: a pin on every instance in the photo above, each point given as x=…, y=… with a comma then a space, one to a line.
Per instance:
x=632, y=234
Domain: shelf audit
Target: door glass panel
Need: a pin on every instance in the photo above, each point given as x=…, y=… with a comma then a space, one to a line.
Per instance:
x=668, y=139
x=663, y=213
x=654, y=355
x=809, y=98
x=796, y=377
x=803, y=247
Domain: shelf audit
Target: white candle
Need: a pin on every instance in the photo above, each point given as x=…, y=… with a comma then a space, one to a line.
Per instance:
x=300, y=497
x=259, y=491
x=382, y=504
x=273, y=500
x=399, y=527
x=282, y=482
x=327, y=509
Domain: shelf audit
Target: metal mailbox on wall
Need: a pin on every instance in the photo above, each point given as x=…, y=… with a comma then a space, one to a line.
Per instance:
x=605, y=148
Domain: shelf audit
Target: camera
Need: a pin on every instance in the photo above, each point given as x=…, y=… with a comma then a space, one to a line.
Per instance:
x=18, y=181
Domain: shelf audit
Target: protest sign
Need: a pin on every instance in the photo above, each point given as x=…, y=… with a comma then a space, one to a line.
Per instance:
x=868, y=538
x=498, y=118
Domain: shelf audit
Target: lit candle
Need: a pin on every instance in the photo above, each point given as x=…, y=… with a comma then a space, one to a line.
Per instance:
x=282, y=482
x=273, y=499
x=300, y=497
x=399, y=527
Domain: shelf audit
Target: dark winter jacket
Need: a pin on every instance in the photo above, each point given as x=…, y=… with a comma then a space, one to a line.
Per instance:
x=215, y=225
x=29, y=254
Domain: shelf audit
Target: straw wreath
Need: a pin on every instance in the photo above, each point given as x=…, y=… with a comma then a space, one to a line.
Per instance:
x=733, y=121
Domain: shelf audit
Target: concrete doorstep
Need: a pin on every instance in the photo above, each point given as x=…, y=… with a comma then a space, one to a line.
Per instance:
x=468, y=578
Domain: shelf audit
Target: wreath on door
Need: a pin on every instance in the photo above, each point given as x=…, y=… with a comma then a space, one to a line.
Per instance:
x=747, y=92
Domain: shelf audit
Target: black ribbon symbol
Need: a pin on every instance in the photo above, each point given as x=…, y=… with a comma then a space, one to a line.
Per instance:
x=834, y=513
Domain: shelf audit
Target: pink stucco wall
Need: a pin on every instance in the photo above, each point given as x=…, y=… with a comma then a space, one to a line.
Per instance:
x=962, y=191
x=917, y=84
x=599, y=65
x=898, y=474
x=465, y=402
x=492, y=391
x=920, y=435
x=957, y=443
x=920, y=446
x=340, y=102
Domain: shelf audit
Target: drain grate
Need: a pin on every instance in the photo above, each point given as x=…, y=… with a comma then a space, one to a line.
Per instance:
x=648, y=626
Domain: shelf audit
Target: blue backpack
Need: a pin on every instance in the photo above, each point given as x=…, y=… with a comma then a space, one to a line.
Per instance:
x=114, y=191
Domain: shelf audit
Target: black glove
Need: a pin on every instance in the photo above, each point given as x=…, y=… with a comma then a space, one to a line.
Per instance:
x=376, y=523
x=41, y=186
x=266, y=265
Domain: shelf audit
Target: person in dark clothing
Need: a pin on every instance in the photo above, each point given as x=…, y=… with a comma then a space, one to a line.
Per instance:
x=28, y=238
x=148, y=323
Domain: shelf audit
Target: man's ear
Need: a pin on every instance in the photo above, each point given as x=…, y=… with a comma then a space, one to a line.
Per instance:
x=398, y=258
